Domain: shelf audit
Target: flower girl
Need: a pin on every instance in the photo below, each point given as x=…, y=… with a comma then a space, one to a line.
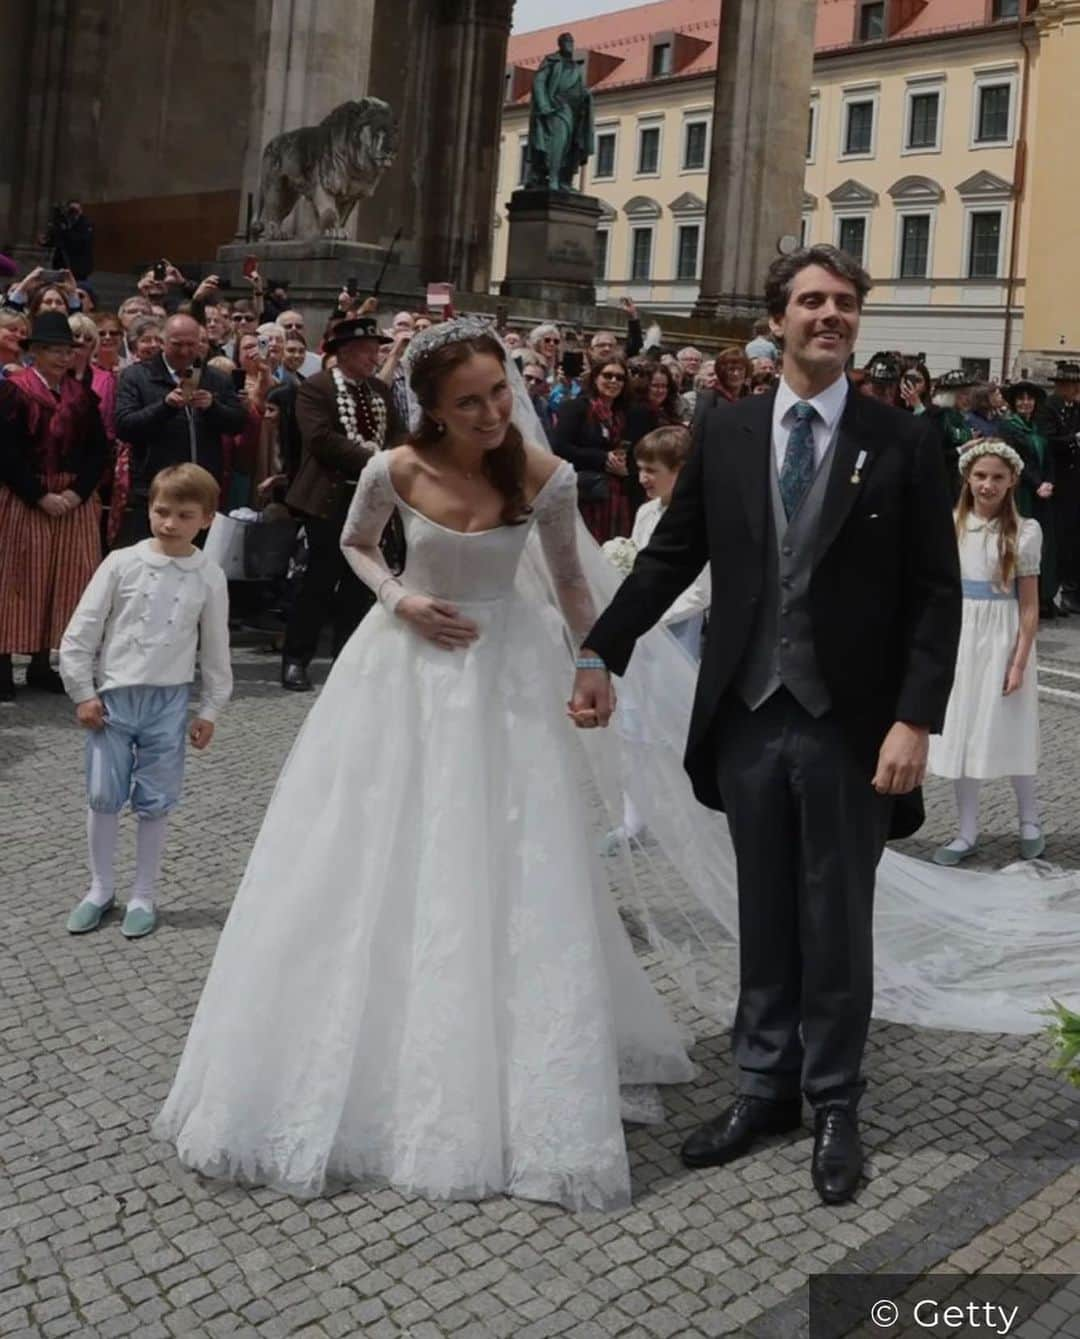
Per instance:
x=992, y=723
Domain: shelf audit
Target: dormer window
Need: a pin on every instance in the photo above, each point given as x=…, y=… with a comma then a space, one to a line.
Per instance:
x=872, y=21
x=662, y=59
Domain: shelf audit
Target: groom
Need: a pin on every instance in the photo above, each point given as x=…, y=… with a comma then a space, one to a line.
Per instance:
x=826, y=520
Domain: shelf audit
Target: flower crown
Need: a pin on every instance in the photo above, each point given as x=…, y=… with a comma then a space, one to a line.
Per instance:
x=447, y=332
x=991, y=446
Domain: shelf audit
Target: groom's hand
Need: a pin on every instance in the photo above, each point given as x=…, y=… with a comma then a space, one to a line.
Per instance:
x=901, y=764
x=593, y=698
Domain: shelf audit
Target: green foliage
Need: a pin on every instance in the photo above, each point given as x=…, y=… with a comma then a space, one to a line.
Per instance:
x=1064, y=1032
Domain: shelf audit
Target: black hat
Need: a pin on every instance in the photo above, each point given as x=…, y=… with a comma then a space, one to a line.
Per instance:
x=50, y=328
x=357, y=327
x=955, y=380
x=1023, y=387
x=1067, y=372
x=884, y=371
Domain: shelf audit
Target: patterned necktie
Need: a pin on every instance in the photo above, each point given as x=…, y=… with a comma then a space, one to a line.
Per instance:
x=797, y=473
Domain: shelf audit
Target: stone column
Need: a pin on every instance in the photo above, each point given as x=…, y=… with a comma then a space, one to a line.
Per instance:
x=758, y=161
x=465, y=106
x=308, y=57
x=16, y=20
x=45, y=52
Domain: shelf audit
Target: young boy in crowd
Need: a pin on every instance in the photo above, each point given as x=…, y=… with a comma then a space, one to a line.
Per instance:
x=659, y=457
x=142, y=615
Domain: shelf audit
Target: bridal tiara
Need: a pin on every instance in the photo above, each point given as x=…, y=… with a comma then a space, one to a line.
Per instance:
x=448, y=332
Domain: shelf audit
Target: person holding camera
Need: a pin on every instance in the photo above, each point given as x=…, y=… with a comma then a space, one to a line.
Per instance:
x=170, y=410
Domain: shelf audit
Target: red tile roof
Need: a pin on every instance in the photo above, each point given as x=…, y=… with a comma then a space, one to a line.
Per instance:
x=624, y=37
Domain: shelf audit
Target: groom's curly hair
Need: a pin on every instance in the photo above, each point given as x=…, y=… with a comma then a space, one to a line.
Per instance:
x=504, y=466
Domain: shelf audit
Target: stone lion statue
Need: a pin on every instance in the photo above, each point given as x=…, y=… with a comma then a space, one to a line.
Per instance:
x=331, y=166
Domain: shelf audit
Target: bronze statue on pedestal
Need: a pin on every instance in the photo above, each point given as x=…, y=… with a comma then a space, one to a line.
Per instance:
x=560, y=123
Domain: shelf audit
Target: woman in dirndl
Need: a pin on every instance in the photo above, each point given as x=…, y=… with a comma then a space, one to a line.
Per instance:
x=52, y=454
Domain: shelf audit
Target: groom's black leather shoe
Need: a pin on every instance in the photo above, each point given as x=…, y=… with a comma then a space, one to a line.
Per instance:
x=838, y=1159
x=732, y=1133
x=294, y=675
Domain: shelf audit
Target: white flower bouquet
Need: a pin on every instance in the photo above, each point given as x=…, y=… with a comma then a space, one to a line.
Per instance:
x=621, y=553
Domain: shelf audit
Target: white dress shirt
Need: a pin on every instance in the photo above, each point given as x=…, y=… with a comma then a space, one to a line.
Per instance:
x=829, y=405
x=697, y=597
x=142, y=616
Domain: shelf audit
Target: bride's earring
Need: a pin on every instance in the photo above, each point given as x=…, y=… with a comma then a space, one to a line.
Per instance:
x=440, y=428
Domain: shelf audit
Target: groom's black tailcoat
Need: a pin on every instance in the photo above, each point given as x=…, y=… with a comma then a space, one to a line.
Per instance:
x=884, y=604
x=885, y=590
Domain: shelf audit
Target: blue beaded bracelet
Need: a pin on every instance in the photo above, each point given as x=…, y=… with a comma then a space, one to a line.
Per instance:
x=589, y=662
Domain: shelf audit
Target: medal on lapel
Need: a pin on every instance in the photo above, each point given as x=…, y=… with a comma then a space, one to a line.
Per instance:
x=860, y=461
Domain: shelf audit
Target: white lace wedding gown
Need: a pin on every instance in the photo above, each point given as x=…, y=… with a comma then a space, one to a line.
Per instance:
x=423, y=979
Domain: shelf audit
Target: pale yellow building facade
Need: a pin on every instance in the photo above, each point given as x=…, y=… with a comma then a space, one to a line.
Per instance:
x=946, y=164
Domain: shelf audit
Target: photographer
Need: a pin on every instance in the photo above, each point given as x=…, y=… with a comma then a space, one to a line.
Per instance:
x=71, y=236
x=172, y=410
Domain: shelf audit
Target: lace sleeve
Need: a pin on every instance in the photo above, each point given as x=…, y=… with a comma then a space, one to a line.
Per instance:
x=371, y=507
x=557, y=520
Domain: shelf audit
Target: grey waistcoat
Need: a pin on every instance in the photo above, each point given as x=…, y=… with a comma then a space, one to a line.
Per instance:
x=781, y=649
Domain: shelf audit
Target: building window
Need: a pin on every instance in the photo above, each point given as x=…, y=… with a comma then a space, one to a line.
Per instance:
x=661, y=59
x=984, y=245
x=523, y=159
x=923, y=111
x=686, y=261
x=804, y=230
x=603, y=238
x=811, y=133
x=604, y=163
x=993, y=114
x=1006, y=9
x=695, y=148
x=859, y=133
x=914, y=246
x=851, y=237
x=872, y=22
x=648, y=151
x=641, y=254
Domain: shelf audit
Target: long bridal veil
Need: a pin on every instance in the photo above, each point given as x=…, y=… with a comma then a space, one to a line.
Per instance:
x=953, y=948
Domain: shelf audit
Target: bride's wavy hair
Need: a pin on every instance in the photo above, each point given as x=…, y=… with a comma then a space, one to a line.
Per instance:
x=504, y=467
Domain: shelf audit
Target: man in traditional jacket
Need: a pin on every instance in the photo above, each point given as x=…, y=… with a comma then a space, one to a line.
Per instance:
x=561, y=121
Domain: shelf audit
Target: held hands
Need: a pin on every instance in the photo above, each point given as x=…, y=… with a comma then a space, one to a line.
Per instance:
x=91, y=713
x=901, y=764
x=200, y=732
x=593, y=698
x=54, y=504
x=438, y=621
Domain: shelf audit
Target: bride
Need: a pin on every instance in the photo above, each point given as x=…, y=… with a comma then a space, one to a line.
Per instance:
x=423, y=979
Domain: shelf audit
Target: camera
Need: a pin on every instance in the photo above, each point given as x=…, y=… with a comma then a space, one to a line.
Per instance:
x=160, y=271
x=264, y=345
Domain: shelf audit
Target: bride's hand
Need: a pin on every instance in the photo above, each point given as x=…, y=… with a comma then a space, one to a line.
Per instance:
x=438, y=621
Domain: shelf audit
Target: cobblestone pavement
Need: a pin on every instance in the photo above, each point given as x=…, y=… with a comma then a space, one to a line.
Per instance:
x=972, y=1142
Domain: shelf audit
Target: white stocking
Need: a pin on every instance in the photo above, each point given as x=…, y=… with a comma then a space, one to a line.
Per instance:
x=149, y=848
x=967, y=809
x=101, y=832
x=1027, y=806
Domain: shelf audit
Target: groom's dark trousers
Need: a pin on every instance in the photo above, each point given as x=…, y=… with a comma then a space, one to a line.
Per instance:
x=823, y=632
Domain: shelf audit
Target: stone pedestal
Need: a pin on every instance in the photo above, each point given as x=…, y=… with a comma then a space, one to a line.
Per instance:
x=552, y=249
x=759, y=149
x=316, y=270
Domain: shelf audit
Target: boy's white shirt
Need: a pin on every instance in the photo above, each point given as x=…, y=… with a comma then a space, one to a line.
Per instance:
x=141, y=617
x=697, y=597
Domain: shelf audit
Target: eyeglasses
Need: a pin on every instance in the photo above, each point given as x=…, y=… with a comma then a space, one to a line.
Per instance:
x=291, y=325
x=243, y=316
x=612, y=376
x=109, y=334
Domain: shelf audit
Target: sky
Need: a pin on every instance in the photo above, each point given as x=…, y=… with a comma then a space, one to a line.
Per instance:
x=532, y=14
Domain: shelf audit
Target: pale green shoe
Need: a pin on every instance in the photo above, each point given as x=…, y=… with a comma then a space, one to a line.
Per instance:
x=944, y=855
x=138, y=922
x=87, y=917
x=1032, y=847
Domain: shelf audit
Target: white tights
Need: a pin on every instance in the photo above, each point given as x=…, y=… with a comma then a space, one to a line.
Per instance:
x=967, y=807
x=101, y=833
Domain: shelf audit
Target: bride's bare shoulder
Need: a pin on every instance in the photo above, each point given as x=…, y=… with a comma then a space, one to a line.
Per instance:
x=403, y=462
x=540, y=465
